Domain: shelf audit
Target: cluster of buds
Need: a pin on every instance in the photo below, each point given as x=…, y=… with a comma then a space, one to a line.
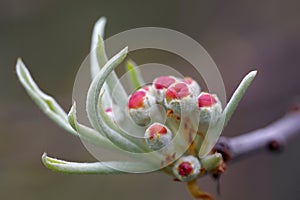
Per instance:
x=182, y=99
x=189, y=113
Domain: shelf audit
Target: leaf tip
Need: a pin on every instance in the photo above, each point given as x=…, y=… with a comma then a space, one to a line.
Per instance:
x=129, y=65
x=253, y=73
x=44, y=158
x=72, y=116
x=100, y=22
x=99, y=27
x=19, y=64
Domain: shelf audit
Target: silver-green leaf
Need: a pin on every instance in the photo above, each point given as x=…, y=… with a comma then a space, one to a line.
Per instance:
x=112, y=167
x=45, y=102
x=237, y=96
x=92, y=104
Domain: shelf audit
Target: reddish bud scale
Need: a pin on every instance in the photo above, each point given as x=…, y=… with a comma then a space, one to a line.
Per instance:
x=108, y=110
x=163, y=82
x=188, y=80
x=206, y=100
x=178, y=91
x=147, y=88
x=136, y=100
x=157, y=129
x=185, y=168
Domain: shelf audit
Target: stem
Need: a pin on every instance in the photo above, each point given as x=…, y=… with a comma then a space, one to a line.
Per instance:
x=272, y=137
x=196, y=192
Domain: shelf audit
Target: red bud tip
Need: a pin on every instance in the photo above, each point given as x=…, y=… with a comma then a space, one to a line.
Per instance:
x=157, y=129
x=108, y=110
x=146, y=88
x=185, y=168
x=188, y=80
x=206, y=100
x=177, y=91
x=136, y=100
x=163, y=82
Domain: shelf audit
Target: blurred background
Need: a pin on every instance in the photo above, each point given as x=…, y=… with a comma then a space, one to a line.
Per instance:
x=53, y=38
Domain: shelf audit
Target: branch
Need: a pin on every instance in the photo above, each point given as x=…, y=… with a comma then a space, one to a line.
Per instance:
x=272, y=137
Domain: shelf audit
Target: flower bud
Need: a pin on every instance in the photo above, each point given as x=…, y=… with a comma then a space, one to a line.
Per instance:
x=108, y=111
x=179, y=98
x=147, y=88
x=158, y=136
x=187, y=168
x=139, y=106
x=111, y=113
x=210, y=110
x=161, y=84
x=193, y=85
x=211, y=162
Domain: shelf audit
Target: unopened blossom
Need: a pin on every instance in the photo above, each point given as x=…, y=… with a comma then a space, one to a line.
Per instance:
x=180, y=99
x=158, y=136
x=210, y=110
x=193, y=85
x=139, y=106
x=187, y=168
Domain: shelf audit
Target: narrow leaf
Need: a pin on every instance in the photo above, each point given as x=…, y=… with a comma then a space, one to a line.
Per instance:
x=136, y=78
x=237, y=96
x=116, y=89
x=88, y=134
x=45, y=102
x=91, y=168
x=98, y=56
x=92, y=104
x=98, y=59
x=107, y=124
x=98, y=31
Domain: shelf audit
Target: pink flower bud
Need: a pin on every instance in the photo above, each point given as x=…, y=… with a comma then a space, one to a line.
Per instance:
x=139, y=106
x=164, y=82
x=110, y=112
x=187, y=168
x=136, y=100
x=177, y=91
x=180, y=98
x=206, y=100
x=193, y=85
x=210, y=110
x=158, y=136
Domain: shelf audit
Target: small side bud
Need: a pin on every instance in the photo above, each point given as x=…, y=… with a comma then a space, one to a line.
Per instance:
x=139, y=106
x=195, y=87
x=161, y=84
x=211, y=162
x=210, y=110
x=180, y=98
x=148, y=88
x=114, y=113
x=158, y=136
x=187, y=168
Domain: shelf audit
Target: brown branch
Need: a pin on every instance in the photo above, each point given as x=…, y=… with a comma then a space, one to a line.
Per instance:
x=272, y=137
